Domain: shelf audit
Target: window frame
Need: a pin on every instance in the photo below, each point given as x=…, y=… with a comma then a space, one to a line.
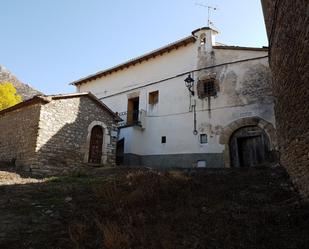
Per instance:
x=201, y=141
x=153, y=97
x=207, y=88
x=163, y=139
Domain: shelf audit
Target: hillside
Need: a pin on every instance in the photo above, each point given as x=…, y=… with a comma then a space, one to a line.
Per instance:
x=146, y=209
x=24, y=90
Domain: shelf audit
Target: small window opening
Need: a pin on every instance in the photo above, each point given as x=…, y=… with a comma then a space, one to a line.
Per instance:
x=203, y=139
x=163, y=140
x=202, y=39
x=209, y=88
x=153, y=97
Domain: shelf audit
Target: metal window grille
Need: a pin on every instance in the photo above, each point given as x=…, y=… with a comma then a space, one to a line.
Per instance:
x=209, y=89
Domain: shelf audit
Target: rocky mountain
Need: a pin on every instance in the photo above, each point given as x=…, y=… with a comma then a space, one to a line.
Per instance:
x=24, y=90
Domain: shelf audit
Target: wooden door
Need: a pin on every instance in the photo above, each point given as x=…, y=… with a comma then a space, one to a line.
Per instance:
x=133, y=110
x=249, y=146
x=96, y=143
x=251, y=151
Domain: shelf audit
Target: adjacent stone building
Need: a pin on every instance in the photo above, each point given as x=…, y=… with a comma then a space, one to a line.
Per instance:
x=287, y=24
x=57, y=134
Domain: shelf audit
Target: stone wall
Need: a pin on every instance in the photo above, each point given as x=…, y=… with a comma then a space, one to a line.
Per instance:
x=287, y=24
x=18, y=133
x=63, y=131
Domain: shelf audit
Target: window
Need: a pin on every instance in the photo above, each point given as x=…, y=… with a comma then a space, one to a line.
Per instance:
x=153, y=98
x=202, y=39
x=203, y=139
x=206, y=88
x=209, y=88
x=163, y=140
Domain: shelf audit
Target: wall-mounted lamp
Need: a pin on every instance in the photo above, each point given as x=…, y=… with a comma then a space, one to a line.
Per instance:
x=189, y=84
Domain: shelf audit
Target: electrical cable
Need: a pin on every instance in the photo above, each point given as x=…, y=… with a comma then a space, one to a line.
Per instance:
x=182, y=74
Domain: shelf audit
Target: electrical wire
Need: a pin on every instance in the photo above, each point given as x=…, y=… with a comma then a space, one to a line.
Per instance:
x=200, y=110
x=182, y=74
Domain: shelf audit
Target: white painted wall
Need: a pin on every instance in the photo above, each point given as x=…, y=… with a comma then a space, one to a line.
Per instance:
x=171, y=117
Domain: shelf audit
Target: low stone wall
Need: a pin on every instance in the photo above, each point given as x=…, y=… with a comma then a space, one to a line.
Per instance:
x=287, y=24
x=18, y=133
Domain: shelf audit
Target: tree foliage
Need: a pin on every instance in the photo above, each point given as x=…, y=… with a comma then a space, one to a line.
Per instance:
x=8, y=95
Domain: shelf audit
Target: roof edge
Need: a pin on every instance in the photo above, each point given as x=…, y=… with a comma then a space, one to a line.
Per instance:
x=98, y=101
x=175, y=45
x=34, y=100
x=204, y=28
x=48, y=98
x=241, y=48
x=87, y=94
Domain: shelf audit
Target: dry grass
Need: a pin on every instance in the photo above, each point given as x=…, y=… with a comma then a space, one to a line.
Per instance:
x=148, y=209
x=113, y=236
x=169, y=210
x=77, y=233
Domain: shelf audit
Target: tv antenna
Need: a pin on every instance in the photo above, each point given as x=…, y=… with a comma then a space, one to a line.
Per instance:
x=209, y=8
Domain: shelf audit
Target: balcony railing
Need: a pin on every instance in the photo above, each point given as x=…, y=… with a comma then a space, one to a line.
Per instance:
x=132, y=118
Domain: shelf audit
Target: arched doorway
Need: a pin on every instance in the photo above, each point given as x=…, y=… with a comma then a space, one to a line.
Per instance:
x=232, y=127
x=96, y=144
x=249, y=147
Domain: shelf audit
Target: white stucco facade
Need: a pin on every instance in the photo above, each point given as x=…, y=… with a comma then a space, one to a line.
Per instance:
x=242, y=75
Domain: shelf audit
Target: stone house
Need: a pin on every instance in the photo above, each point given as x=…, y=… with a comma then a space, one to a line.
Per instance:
x=59, y=133
x=194, y=102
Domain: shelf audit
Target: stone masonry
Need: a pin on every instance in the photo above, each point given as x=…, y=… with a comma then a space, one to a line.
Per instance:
x=287, y=24
x=50, y=135
x=18, y=133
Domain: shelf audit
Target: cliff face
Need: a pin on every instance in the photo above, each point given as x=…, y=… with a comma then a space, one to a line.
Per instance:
x=24, y=90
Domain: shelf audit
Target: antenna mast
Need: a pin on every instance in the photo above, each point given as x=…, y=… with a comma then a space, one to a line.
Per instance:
x=209, y=8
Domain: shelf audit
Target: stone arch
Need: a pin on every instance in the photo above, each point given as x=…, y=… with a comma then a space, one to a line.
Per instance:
x=243, y=122
x=106, y=141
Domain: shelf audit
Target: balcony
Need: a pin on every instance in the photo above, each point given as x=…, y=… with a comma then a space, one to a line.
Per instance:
x=132, y=118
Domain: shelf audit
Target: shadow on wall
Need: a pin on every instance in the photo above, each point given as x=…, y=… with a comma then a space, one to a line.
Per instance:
x=64, y=135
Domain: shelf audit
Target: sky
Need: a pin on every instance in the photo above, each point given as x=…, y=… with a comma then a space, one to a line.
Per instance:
x=48, y=44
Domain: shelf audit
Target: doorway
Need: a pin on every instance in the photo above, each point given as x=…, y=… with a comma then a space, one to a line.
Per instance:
x=133, y=111
x=249, y=147
x=120, y=152
x=96, y=144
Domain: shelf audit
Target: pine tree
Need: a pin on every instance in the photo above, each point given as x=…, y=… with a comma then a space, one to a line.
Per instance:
x=8, y=95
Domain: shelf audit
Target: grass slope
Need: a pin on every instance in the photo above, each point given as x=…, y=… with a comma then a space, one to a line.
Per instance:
x=222, y=209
